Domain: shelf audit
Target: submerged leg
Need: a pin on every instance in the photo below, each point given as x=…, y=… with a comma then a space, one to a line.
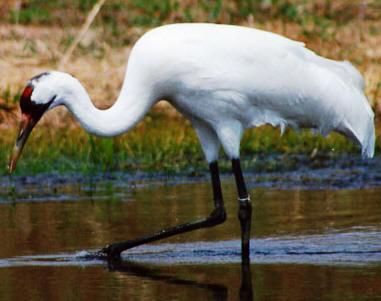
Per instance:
x=244, y=212
x=217, y=216
x=246, y=289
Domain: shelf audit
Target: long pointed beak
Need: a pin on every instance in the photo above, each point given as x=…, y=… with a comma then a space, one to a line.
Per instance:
x=25, y=127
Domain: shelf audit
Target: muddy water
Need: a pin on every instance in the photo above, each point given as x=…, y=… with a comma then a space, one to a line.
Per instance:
x=306, y=244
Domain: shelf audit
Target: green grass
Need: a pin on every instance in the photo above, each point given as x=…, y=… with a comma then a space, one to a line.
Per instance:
x=154, y=12
x=156, y=146
x=320, y=19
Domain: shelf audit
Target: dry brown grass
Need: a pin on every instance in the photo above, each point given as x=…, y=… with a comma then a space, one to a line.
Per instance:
x=27, y=50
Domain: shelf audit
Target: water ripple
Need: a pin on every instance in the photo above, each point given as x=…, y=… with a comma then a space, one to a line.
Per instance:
x=350, y=248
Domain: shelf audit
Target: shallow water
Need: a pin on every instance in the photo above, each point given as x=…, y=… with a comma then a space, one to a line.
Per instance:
x=307, y=244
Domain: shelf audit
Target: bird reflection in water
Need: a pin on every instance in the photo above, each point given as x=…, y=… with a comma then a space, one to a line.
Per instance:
x=218, y=291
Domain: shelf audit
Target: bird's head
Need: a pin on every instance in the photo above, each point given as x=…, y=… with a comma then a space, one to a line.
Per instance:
x=39, y=96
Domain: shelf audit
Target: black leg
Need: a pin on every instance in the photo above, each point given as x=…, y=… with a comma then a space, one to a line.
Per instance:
x=244, y=212
x=246, y=289
x=217, y=216
x=218, y=291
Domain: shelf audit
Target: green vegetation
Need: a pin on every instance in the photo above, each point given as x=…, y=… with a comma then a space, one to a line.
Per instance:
x=156, y=146
x=154, y=12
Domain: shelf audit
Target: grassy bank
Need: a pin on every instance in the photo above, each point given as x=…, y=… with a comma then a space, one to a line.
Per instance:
x=35, y=34
x=160, y=144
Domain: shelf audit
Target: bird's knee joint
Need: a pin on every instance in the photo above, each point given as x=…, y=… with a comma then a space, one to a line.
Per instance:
x=218, y=216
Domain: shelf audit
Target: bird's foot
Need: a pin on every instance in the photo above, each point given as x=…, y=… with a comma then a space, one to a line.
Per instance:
x=107, y=253
x=110, y=252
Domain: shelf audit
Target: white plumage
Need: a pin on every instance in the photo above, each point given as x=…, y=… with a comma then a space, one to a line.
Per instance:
x=225, y=79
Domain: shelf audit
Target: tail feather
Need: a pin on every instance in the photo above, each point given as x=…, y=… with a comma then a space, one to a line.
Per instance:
x=368, y=144
x=362, y=132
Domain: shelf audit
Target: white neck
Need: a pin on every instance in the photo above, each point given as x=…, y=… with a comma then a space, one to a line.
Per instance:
x=130, y=107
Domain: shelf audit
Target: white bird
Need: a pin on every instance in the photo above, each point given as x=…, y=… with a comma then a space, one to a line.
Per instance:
x=224, y=79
